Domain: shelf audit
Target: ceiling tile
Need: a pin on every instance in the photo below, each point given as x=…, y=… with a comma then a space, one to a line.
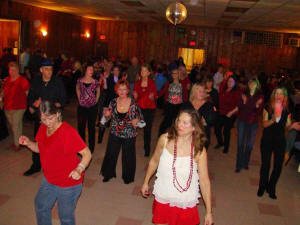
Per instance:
x=132, y=3
x=263, y=14
x=241, y=4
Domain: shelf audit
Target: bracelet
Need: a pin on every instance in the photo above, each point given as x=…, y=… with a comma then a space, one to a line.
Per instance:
x=82, y=166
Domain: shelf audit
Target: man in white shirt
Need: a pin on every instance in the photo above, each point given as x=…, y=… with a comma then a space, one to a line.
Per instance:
x=24, y=60
x=218, y=77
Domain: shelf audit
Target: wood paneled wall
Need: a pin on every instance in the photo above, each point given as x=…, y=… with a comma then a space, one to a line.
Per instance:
x=64, y=30
x=159, y=41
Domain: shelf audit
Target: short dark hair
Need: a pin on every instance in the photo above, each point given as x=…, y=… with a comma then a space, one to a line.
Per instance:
x=49, y=108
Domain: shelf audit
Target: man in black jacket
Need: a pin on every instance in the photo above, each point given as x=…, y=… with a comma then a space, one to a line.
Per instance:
x=42, y=88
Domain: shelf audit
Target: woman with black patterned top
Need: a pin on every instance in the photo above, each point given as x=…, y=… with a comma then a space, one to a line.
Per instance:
x=125, y=114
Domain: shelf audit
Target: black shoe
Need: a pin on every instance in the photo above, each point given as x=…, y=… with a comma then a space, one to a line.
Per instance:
x=218, y=146
x=105, y=179
x=272, y=196
x=237, y=170
x=100, y=135
x=246, y=168
x=225, y=151
x=127, y=182
x=31, y=171
x=260, y=192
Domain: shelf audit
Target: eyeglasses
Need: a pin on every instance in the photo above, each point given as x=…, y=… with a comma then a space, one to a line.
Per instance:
x=48, y=118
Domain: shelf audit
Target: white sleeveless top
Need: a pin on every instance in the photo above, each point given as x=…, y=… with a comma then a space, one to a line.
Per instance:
x=164, y=190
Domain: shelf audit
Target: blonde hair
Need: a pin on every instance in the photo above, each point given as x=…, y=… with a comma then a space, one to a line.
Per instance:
x=194, y=89
x=272, y=98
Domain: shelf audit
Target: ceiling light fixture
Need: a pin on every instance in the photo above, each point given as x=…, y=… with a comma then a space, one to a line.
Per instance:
x=176, y=13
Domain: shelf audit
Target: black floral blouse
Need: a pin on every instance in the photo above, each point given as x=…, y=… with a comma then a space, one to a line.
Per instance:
x=121, y=122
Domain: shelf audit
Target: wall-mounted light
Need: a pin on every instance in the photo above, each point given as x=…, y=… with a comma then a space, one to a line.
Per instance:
x=87, y=34
x=44, y=32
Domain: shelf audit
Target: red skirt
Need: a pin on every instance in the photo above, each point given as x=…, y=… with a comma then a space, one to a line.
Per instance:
x=165, y=214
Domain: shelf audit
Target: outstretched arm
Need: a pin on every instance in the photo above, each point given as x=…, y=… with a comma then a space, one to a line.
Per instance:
x=33, y=146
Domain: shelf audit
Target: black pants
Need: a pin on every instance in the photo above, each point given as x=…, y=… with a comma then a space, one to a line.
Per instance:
x=114, y=144
x=170, y=112
x=36, y=163
x=266, y=153
x=225, y=123
x=68, y=86
x=87, y=115
x=148, y=117
x=3, y=126
x=103, y=102
x=207, y=130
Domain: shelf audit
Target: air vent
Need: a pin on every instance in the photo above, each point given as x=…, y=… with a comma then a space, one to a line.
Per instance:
x=237, y=37
x=264, y=38
x=294, y=42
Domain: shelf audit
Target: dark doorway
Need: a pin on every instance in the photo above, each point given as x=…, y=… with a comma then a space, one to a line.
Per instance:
x=101, y=49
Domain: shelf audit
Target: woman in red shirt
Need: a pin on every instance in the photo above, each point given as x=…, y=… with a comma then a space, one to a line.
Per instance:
x=185, y=82
x=145, y=93
x=58, y=144
x=229, y=95
x=15, y=90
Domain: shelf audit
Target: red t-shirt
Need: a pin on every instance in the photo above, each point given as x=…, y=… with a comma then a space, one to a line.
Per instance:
x=58, y=153
x=15, y=97
x=185, y=92
x=143, y=99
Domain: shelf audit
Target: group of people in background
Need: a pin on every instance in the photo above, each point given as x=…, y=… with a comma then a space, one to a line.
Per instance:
x=122, y=95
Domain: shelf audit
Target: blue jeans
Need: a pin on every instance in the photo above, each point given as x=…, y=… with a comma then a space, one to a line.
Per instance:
x=131, y=89
x=246, y=138
x=66, y=202
x=290, y=140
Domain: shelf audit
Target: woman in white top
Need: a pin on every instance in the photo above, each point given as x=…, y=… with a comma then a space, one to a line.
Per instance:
x=181, y=162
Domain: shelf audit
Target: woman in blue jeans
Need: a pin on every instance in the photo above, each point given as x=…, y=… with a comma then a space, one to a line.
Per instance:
x=58, y=144
x=249, y=108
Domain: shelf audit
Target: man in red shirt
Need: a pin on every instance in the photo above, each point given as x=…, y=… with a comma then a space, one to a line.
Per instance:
x=15, y=92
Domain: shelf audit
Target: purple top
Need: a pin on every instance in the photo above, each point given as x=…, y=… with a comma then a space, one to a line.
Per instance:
x=88, y=92
x=248, y=112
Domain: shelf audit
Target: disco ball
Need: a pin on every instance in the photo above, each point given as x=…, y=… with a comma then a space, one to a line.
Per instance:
x=176, y=13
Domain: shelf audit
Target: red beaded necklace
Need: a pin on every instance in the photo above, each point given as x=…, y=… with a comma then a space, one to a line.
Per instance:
x=175, y=181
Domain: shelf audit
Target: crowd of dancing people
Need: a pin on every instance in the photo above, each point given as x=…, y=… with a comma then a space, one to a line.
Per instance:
x=123, y=96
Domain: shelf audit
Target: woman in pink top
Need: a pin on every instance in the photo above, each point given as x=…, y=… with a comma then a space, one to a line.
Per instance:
x=88, y=93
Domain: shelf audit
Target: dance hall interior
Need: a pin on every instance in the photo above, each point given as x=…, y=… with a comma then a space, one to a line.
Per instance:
x=141, y=112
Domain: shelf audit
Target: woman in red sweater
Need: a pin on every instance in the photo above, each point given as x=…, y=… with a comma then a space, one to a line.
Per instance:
x=15, y=91
x=145, y=93
x=229, y=95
